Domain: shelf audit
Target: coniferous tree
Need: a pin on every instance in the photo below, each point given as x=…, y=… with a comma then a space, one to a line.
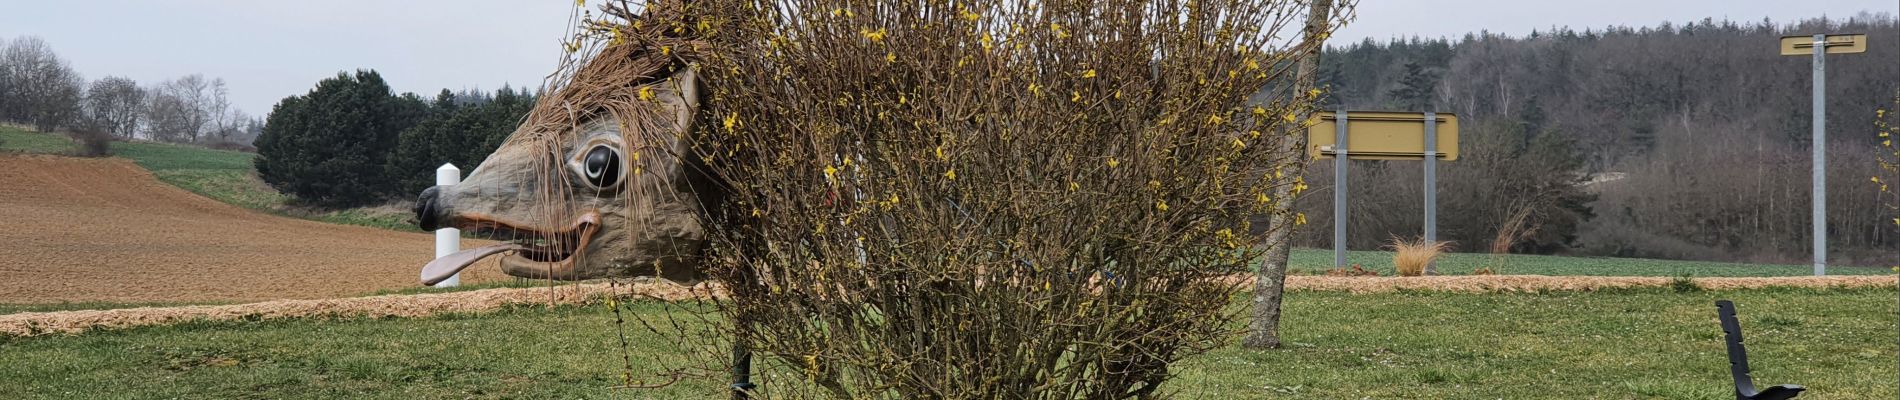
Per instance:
x=329, y=147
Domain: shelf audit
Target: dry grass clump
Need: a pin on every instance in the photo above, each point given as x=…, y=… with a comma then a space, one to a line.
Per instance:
x=1411, y=257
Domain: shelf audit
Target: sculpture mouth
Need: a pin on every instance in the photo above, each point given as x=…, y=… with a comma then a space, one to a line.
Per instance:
x=556, y=248
x=540, y=245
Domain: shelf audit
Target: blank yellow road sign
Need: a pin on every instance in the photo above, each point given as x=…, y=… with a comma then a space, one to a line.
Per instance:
x=1804, y=45
x=1373, y=135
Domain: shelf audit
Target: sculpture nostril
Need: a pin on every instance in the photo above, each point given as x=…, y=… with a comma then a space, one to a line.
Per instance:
x=426, y=209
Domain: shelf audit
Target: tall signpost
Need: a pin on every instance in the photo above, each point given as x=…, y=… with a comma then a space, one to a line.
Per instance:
x=1819, y=45
x=1426, y=136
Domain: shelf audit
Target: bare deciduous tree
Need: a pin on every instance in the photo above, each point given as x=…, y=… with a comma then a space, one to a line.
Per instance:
x=41, y=89
x=182, y=110
x=1263, y=329
x=116, y=105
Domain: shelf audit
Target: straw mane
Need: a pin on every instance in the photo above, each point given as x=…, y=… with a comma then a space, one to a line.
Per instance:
x=608, y=61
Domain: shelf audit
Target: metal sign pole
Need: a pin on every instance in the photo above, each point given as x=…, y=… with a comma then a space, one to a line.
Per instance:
x=1431, y=185
x=1820, y=154
x=1339, y=190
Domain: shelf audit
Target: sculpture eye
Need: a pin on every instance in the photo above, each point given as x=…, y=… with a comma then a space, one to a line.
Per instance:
x=602, y=167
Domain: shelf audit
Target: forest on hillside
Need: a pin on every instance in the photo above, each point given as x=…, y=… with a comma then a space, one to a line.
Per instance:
x=1687, y=141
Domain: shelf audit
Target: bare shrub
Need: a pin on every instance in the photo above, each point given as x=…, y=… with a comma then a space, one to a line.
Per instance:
x=1410, y=257
x=966, y=200
x=92, y=142
x=1886, y=130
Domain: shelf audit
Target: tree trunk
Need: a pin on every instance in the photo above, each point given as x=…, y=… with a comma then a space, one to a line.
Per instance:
x=1263, y=332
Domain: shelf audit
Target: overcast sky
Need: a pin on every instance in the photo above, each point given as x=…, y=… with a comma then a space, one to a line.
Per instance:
x=266, y=50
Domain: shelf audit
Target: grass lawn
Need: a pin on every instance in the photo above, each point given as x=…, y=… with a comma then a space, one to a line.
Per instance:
x=1650, y=343
x=1315, y=261
x=221, y=175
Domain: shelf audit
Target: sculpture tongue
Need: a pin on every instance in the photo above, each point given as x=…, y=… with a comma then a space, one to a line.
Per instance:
x=446, y=266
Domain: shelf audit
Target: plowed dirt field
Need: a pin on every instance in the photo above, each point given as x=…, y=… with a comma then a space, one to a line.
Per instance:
x=74, y=229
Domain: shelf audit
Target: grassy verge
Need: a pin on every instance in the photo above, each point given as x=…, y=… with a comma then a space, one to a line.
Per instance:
x=1616, y=344
x=6, y=308
x=1315, y=261
x=83, y=305
x=222, y=175
x=19, y=140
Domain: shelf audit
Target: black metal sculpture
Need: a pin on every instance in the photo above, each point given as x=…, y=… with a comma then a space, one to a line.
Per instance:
x=1738, y=361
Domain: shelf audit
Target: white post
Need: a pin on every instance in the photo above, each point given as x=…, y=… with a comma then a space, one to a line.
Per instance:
x=448, y=240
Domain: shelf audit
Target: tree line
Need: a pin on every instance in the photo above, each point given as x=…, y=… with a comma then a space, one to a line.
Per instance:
x=42, y=90
x=1682, y=141
x=352, y=141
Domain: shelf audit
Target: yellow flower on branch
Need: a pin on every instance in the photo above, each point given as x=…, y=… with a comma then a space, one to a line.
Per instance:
x=1299, y=219
x=646, y=93
x=1161, y=205
x=1089, y=73
x=1112, y=162
x=875, y=36
x=951, y=174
